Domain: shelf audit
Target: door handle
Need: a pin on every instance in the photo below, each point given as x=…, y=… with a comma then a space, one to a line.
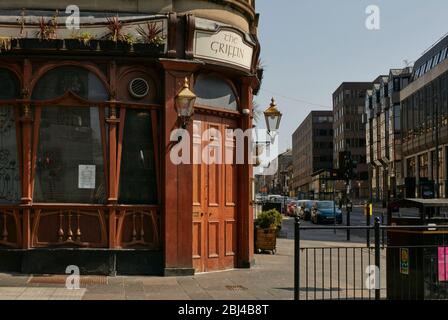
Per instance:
x=202, y=214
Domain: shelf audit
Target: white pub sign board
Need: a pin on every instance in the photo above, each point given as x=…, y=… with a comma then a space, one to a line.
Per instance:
x=224, y=46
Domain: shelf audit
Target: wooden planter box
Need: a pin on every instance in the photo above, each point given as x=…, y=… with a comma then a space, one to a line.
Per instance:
x=75, y=44
x=115, y=47
x=266, y=240
x=148, y=49
x=30, y=44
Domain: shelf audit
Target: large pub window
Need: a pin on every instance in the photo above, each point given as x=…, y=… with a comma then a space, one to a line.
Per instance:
x=138, y=184
x=213, y=91
x=9, y=162
x=70, y=164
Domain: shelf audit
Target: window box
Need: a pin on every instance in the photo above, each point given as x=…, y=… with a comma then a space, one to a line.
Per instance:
x=148, y=49
x=52, y=44
x=115, y=46
x=75, y=44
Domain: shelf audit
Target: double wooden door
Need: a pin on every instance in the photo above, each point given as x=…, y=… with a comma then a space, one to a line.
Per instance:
x=215, y=194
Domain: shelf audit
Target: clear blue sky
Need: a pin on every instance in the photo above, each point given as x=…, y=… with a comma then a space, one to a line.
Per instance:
x=310, y=46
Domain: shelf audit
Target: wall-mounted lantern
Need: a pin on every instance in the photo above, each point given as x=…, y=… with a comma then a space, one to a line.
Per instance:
x=185, y=100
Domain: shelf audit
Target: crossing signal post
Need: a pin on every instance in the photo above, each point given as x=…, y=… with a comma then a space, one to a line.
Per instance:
x=347, y=173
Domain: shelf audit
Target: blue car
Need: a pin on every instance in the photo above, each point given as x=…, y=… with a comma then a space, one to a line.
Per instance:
x=325, y=212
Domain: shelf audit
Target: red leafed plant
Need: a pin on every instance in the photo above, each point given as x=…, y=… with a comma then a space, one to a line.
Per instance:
x=115, y=27
x=47, y=30
x=151, y=34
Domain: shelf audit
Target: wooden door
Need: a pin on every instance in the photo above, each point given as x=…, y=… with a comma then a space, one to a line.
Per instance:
x=214, y=194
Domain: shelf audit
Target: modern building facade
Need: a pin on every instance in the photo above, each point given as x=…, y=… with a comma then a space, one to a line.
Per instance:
x=425, y=122
x=312, y=150
x=383, y=134
x=86, y=136
x=349, y=133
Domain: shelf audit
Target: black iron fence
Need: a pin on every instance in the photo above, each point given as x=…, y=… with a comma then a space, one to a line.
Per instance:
x=403, y=262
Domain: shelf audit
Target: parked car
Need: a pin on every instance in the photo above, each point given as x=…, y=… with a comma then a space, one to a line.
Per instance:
x=291, y=208
x=304, y=209
x=325, y=212
x=275, y=198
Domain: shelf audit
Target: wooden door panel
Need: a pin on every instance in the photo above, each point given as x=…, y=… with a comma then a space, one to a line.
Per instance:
x=215, y=183
x=213, y=239
x=197, y=239
x=230, y=237
x=198, y=178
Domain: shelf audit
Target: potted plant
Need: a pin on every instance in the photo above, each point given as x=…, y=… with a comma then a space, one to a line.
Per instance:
x=82, y=41
x=152, y=41
x=46, y=36
x=267, y=226
x=5, y=44
x=115, y=40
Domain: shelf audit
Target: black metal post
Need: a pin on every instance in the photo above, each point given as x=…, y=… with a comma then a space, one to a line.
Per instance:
x=436, y=187
x=377, y=259
x=348, y=221
x=296, y=258
x=334, y=205
x=367, y=213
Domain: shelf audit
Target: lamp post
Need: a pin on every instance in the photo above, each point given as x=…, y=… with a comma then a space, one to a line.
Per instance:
x=273, y=117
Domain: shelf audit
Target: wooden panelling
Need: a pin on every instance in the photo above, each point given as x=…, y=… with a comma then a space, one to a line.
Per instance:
x=138, y=229
x=10, y=228
x=69, y=227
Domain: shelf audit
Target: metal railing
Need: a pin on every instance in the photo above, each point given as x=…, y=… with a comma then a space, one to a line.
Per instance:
x=362, y=271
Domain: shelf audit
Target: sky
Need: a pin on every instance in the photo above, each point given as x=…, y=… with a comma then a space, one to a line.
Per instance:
x=309, y=47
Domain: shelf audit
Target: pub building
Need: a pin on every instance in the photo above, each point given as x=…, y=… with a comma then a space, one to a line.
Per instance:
x=86, y=116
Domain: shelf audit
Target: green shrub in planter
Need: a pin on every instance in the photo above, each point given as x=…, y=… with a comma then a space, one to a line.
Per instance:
x=269, y=219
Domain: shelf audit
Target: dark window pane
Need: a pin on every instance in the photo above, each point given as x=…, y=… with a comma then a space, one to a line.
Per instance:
x=9, y=164
x=213, y=91
x=57, y=82
x=9, y=85
x=70, y=165
x=138, y=183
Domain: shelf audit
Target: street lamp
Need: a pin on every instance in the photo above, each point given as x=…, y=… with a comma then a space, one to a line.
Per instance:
x=273, y=117
x=184, y=103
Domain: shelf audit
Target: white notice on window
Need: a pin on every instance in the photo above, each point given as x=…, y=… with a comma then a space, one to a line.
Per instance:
x=86, y=176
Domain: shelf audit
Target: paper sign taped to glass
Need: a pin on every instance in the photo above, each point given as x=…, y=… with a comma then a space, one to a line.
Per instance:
x=86, y=176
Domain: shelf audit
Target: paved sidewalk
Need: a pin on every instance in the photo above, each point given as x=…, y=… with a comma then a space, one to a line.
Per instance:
x=271, y=278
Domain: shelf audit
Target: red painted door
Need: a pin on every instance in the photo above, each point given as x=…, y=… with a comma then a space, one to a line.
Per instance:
x=214, y=194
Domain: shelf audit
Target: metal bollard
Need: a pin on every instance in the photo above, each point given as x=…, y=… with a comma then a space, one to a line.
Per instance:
x=378, y=256
x=296, y=258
